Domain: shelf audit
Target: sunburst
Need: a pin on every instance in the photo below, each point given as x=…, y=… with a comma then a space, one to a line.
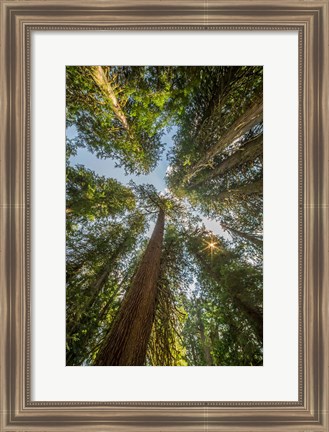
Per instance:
x=211, y=246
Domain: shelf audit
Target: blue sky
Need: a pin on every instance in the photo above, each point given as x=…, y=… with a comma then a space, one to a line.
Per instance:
x=107, y=168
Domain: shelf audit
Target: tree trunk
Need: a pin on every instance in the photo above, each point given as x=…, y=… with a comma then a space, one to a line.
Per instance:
x=192, y=346
x=127, y=340
x=254, y=316
x=254, y=188
x=204, y=343
x=106, y=88
x=95, y=289
x=255, y=240
x=243, y=124
x=246, y=153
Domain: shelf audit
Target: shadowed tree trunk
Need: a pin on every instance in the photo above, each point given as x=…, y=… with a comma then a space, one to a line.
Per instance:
x=252, y=313
x=127, y=340
x=253, y=188
x=204, y=343
x=252, y=238
x=192, y=346
x=243, y=124
x=96, y=287
x=249, y=151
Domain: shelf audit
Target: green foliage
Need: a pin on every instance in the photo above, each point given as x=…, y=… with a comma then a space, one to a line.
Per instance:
x=166, y=347
x=100, y=260
x=129, y=130
x=91, y=197
x=227, y=186
x=220, y=97
x=227, y=305
x=209, y=288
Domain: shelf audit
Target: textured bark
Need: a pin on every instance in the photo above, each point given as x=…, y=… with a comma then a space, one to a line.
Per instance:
x=255, y=240
x=254, y=188
x=127, y=340
x=204, y=343
x=215, y=341
x=106, y=88
x=243, y=124
x=246, y=153
x=192, y=345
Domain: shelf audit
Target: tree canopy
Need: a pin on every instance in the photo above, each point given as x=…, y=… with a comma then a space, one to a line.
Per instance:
x=147, y=282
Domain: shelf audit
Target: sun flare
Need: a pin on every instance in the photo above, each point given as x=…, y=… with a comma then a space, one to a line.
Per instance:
x=211, y=246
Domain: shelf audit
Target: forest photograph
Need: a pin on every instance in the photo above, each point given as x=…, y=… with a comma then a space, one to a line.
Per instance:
x=164, y=215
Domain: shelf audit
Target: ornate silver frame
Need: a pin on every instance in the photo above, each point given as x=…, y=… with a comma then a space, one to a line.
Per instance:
x=18, y=20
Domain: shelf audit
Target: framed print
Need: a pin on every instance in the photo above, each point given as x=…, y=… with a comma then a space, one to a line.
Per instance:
x=148, y=297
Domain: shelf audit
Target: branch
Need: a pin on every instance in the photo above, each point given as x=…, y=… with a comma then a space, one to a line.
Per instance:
x=104, y=85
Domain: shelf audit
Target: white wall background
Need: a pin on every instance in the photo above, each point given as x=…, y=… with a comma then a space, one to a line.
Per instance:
x=277, y=379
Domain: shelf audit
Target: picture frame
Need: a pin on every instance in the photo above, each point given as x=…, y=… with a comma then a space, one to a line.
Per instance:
x=18, y=20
